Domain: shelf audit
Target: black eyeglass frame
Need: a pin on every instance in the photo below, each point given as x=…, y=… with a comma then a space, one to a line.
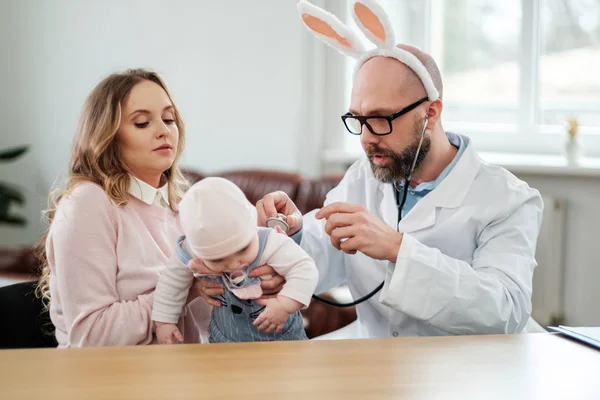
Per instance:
x=390, y=118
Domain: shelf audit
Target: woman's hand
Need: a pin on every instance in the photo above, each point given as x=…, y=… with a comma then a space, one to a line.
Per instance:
x=207, y=290
x=270, y=282
x=203, y=288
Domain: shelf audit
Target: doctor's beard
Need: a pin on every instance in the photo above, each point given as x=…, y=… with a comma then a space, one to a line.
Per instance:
x=400, y=164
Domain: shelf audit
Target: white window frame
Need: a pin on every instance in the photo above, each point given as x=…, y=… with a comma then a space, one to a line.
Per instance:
x=525, y=136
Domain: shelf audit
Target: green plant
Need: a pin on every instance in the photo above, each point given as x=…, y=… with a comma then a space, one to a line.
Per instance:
x=9, y=193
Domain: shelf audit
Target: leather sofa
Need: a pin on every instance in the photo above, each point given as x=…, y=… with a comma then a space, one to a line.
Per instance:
x=19, y=264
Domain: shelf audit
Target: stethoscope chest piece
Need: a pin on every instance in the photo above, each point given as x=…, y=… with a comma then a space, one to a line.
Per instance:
x=278, y=221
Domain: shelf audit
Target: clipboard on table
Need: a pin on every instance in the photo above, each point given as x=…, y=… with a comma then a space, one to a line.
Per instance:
x=589, y=335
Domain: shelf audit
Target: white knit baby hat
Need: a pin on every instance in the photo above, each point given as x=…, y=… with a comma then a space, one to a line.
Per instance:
x=216, y=218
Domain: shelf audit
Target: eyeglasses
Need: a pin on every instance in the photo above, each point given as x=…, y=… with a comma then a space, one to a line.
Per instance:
x=379, y=126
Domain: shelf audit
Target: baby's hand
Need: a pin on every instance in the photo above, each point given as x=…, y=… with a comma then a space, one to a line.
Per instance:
x=276, y=313
x=165, y=333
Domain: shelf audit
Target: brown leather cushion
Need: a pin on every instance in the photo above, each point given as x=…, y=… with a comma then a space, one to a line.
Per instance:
x=322, y=318
x=256, y=183
x=19, y=260
x=311, y=193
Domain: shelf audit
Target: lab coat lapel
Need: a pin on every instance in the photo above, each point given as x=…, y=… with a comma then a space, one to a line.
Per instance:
x=450, y=193
x=388, y=208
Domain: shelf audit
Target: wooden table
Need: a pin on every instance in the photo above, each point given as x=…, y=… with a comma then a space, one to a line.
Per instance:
x=536, y=366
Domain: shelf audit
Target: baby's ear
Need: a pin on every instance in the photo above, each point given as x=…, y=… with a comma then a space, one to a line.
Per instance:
x=328, y=28
x=197, y=265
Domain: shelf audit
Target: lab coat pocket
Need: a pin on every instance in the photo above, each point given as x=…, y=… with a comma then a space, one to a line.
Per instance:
x=455, y=233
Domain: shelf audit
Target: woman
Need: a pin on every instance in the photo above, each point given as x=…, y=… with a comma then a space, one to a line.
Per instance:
x=114, y=226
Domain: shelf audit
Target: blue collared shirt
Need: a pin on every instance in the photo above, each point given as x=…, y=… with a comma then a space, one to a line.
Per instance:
x=421, y=190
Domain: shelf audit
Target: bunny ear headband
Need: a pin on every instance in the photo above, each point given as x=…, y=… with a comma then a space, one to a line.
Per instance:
x=375, y=25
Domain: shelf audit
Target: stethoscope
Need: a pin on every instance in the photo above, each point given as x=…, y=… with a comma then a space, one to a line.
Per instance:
x=400, y=207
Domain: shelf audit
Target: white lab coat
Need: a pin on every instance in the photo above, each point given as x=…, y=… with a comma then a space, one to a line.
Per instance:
x=466, y=261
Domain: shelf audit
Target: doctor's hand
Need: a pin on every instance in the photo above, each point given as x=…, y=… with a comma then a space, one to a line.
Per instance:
x=279, y=202
x=353, y=228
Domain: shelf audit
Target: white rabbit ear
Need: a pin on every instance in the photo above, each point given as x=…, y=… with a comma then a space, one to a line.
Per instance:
x=330, y=29
x=374, y=23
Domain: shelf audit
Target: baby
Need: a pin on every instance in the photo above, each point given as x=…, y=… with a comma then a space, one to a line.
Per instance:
x=222, y=243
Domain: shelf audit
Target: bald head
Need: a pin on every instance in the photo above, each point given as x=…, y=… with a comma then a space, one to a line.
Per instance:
x=429, y=64
x=397, y=76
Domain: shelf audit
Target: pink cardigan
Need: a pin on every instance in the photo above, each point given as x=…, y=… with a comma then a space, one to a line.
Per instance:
x=105, y=263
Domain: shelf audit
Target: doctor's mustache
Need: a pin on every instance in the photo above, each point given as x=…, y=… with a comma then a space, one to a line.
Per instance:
x=401, y=163
x=376, y=150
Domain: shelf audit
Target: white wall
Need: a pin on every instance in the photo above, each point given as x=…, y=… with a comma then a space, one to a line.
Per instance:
x=582, y=259
x=241, y=71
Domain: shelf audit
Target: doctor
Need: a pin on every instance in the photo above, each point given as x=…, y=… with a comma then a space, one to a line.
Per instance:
x=451, y=238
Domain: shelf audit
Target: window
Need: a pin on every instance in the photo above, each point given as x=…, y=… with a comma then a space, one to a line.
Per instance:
x=569, y=68
x=514, y=71
x=477, y=45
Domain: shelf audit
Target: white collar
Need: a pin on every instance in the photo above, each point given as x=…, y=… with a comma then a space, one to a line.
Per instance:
x=147, y=193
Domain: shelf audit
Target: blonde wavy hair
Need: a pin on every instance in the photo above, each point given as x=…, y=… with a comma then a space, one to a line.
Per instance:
x=95, y=154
